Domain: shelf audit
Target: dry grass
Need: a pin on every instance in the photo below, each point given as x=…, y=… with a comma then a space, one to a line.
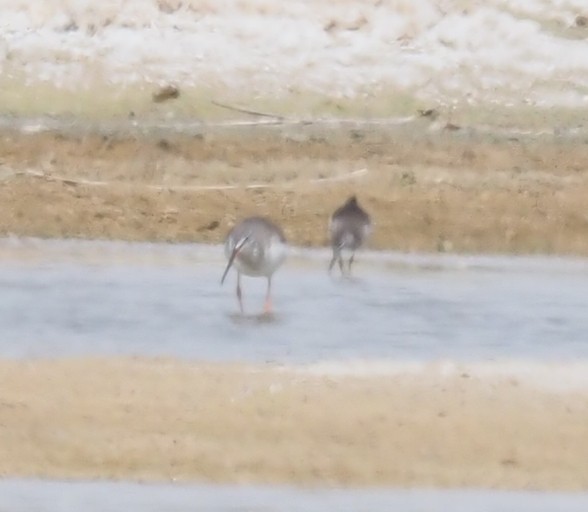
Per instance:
x=425, y=191
x=160, y=419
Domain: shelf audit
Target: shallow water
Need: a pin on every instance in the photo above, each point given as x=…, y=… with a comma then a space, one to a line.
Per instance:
x=56, y=496
x=60, y=298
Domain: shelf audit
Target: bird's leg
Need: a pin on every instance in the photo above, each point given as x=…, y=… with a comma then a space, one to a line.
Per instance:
x=333, y=259
x=267, y=308
x=351, y=260
x=239, y=294
x=340, y=259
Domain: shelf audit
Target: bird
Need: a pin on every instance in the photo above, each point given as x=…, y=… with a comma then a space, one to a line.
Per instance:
x=349, y=228
x=257, y=247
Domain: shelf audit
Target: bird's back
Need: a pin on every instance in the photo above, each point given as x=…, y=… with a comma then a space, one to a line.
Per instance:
x=265, y=247
x=349, y=225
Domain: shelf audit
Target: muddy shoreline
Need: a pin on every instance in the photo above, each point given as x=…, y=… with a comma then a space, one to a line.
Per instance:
x=450, y=189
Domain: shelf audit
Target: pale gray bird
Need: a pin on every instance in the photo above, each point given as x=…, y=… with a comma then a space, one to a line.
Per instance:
x=349, y=228
x=256, y=247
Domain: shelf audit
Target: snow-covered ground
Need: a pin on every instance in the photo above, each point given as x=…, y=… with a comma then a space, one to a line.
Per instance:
x=505, y=51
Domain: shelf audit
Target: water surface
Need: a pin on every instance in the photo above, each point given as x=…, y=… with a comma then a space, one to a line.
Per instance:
x=57, y=496
x=63, y=298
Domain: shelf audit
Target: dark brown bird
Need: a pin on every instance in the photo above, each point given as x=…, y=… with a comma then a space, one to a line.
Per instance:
x=349, y=228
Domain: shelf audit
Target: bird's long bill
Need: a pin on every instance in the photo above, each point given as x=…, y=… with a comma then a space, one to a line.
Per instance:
x=238, y=246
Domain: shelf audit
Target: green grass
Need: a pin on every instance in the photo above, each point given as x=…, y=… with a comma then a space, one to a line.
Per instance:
x=104, y=101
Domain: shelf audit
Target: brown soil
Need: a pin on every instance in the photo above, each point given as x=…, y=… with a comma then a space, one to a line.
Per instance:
x=160, y=419
x=429, y=191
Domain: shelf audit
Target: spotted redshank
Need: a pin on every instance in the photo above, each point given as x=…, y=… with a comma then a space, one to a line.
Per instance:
x=257, y=247
x=349, y=227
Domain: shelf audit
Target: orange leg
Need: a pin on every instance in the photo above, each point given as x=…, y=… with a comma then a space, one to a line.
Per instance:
x=267, y=308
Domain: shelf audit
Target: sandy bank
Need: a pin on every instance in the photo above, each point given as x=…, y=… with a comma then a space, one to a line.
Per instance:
x=162, y=419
